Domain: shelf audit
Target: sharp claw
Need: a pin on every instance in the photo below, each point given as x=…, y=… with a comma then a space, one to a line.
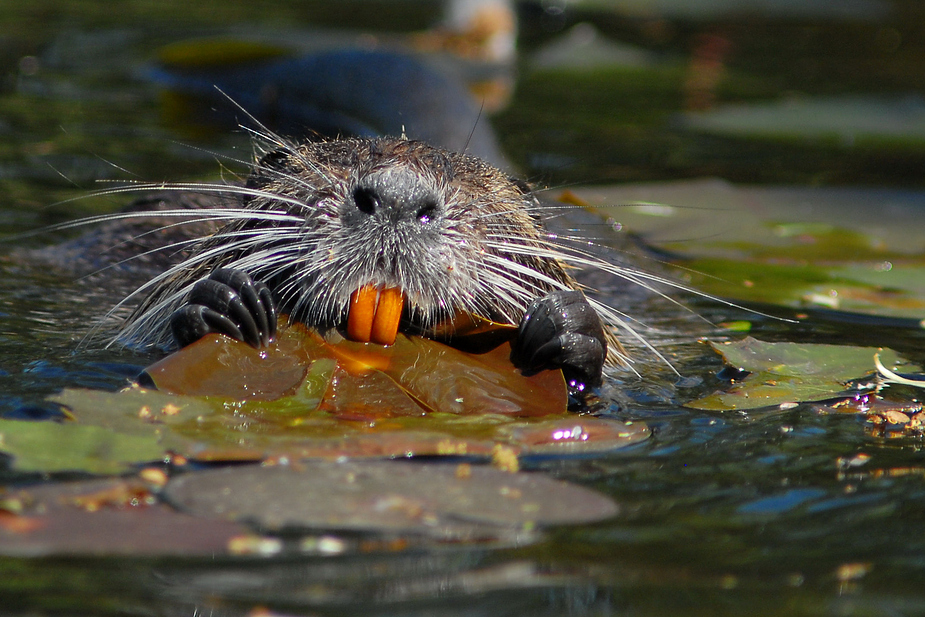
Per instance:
x=222, y=324
x=229, y=302
x=188, y=325
x=584, y=359
x=226, y=301
x=255, y=297
x=194, y=321
x=244, y=319
x=269, y=309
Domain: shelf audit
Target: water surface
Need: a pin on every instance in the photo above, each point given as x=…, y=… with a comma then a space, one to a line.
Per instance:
x=756, y=513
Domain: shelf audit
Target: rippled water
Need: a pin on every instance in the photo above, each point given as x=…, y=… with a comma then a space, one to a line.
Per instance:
x=755, y=513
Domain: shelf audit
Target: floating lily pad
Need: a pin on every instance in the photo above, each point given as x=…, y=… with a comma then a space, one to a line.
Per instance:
x=843, y=119
x=305, y=397
x=436, y=377
x=791, y=372
x=49, y=447
x=216, y=52
x=443, y=500
x=886, y=288
x=779, y=245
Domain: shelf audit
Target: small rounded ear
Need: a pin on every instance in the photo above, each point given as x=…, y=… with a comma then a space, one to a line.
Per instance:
x=273, y=165
x=521, y=185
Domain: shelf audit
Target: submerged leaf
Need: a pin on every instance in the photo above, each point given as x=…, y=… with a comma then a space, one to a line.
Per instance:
x=887, y=288
x=106, y=517
x=790, y=372
x=442, y=500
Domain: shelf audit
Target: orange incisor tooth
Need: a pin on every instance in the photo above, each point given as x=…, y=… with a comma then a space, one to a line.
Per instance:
x=388, y=314
x=362, y=312
x=374, y=314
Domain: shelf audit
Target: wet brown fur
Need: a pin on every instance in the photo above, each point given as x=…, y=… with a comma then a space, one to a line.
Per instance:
x=492, y=257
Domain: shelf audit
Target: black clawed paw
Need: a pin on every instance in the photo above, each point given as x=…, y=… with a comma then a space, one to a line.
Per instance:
x=562, y=330
x=229, y=302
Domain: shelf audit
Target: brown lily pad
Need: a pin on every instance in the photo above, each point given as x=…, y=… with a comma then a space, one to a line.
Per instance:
x=306, y=397
x=434, y=376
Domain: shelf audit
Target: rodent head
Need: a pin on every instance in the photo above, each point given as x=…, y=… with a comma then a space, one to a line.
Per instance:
x=453, y=233
x=323, y=222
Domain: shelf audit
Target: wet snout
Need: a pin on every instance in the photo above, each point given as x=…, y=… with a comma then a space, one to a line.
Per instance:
x=392, y=212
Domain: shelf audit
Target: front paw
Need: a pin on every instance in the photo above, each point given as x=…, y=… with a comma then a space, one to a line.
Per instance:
x=229, y=302
x=562, y=330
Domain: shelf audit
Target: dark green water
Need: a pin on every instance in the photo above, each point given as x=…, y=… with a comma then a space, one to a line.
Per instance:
x=749, y=513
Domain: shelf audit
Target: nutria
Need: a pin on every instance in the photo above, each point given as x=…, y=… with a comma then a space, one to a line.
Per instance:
x=321, y=220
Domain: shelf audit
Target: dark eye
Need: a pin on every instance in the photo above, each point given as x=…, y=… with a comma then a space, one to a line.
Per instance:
x=427, y=212
x=366, y=199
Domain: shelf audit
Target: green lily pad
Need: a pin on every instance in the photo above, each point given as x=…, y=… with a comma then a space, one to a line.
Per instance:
x=50, y=447
x=782, y=373
x=779, y=245
x=217, y=52
x=840, y=119
x=885, y=288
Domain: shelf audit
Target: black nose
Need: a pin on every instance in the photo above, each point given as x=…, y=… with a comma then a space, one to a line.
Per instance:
x=393, y=196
